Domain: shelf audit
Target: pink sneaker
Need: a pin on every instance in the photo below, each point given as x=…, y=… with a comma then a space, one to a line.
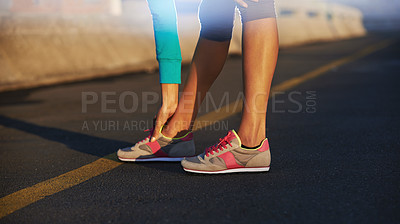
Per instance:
x=163, y=149
x=229, y=157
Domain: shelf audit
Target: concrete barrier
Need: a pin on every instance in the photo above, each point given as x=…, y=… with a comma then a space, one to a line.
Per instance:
x=347, y=21
x=44, y=49
x=352, y=19
x=339, y=20
x=291, y=18
x=301, y=22
x=69, y=49
x=318, y=22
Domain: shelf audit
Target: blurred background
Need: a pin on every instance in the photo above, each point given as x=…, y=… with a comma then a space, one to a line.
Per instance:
x=332, y=117
x=43, y=42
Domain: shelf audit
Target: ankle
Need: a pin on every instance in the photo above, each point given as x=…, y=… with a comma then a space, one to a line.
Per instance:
x=174, y=132
x=250, y=140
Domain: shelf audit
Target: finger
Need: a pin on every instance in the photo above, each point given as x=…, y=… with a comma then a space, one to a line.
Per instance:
x=160, y=121
x=241, y=3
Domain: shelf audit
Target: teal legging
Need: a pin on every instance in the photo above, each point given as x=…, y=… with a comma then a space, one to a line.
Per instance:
x=167, y=42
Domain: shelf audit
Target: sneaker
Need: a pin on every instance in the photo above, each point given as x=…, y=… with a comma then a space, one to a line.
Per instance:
x=163, y=149
x=229, y=157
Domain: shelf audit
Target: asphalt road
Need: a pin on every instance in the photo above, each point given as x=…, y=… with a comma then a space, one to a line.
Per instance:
x=334, y=142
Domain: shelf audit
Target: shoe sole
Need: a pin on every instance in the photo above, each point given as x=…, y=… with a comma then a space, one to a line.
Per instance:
x=236, y=170
x=159, y=159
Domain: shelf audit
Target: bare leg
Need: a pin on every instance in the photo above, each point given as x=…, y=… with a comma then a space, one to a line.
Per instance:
x=208, y=61
x=260, y=52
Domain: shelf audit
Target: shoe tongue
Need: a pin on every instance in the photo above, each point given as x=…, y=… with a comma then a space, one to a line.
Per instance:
x=162, y=138
x=233, y=138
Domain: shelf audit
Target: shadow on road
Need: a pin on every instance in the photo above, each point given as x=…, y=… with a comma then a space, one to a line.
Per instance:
x=77, y=141
x=91, y=145
x=17, y=98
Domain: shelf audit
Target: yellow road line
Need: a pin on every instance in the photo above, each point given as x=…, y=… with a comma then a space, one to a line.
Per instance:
x=321, y=70
x=236, y=107
x=27, y=196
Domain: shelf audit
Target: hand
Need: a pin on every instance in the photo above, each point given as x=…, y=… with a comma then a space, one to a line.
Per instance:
x=243, y=3
x=168, y=108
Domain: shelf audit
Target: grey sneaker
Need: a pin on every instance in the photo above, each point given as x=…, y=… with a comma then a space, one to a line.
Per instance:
x=163, y=149
x=229, y=157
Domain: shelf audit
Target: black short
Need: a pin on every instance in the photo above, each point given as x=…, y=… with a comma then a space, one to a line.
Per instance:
x=217, y=16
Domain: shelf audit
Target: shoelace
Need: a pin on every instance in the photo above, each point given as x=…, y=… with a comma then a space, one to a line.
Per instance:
x=219, y=147
x=149, y=136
